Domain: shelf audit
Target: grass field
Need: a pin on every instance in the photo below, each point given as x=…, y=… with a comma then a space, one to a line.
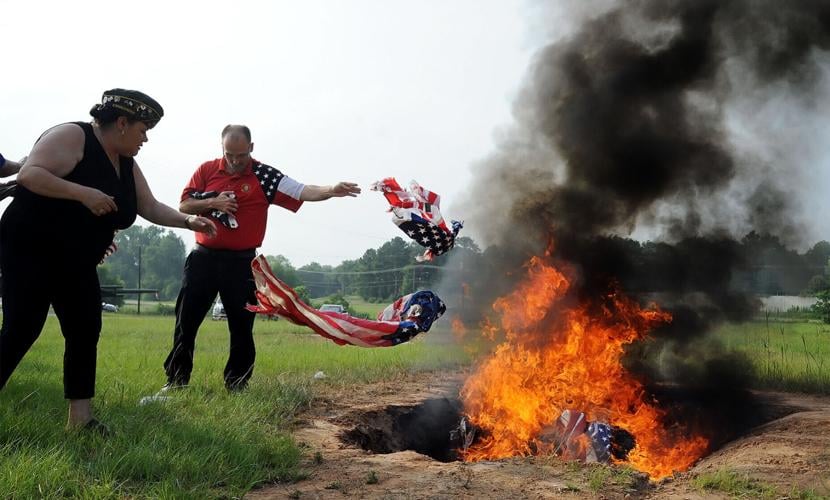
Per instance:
x=787, y=355
x=205, y=442
x=208, y=443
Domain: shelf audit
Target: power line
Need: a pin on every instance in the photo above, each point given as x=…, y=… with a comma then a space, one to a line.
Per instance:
x=378, y=271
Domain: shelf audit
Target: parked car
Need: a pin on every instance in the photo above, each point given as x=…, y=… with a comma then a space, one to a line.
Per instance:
x=332, y=308
x=109, y=307
x=219, y=310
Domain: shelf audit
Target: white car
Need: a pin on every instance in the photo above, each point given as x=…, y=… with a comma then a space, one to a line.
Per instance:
x=109, y=307
x=219, y=310
x=332, y=308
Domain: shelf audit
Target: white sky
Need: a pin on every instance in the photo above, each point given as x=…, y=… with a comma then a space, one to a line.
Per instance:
x=332, y=90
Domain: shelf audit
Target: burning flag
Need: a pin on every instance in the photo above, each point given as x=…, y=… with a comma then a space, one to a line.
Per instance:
x=417, y=213
x=559, y=368
x=398, y=323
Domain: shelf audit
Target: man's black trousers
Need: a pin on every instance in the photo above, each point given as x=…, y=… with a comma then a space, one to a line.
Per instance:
x=206, y=273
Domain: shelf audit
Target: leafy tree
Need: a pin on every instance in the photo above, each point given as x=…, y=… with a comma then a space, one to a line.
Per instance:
x=160, y=252
x=319, y=279
x=283, y=269
x=338, y=299
x=107, y=277
x=302, y=293
x=822, y=306
x=164, y=262
x=817, y=283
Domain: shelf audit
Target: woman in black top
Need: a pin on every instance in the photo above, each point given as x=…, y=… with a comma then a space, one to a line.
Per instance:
x=78, y=186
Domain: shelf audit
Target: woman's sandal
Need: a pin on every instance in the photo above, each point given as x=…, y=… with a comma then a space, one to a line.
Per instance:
x=96, y=427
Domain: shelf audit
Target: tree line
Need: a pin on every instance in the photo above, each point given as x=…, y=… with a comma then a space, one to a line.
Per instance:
x=153, y=257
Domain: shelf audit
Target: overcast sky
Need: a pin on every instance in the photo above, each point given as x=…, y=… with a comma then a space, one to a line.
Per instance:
x=332, y=90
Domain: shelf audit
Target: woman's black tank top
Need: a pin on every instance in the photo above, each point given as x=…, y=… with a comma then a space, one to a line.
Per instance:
x=67, y=228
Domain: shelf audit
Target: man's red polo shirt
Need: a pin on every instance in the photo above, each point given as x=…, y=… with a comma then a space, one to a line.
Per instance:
x=252, y=214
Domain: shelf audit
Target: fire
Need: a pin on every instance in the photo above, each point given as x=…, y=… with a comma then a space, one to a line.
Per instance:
x=557, y=357
x=459, y=330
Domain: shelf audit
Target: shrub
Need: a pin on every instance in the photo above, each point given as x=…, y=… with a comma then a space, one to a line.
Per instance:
x=165, y=310
x=822, y=306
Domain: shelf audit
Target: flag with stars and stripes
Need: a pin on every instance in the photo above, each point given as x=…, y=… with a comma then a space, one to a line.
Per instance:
x=398, y=323
x=600, y=435
x=417, y=213
x=269, y=178
x=226, y=219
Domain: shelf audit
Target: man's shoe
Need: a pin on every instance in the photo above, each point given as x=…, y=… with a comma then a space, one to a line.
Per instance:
x=172, y=386
x=164, y=394
x=237, y=388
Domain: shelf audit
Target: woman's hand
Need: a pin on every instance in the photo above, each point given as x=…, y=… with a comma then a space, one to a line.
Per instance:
x=200, y=225
x=97, y=202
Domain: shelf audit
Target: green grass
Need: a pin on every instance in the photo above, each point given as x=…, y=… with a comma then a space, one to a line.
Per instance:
x=741, y=486
x=601, y=476
x=204, y=443
x=357, y=303
x=786, y=355
x=734, y=485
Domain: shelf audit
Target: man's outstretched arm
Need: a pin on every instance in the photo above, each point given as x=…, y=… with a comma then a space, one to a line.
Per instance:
x=320, y=193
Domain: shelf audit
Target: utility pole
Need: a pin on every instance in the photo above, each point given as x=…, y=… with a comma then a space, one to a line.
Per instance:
x=461, y=283
x=138, y=310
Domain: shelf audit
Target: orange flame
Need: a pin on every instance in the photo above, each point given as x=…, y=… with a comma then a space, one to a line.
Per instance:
x=538, y=372
x=458, y=328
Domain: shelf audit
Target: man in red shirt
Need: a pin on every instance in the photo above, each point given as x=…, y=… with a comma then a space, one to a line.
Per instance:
x=236, y=191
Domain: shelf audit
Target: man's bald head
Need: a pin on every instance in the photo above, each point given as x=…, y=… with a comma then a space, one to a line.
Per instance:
x=236, y=132
x=237, y=146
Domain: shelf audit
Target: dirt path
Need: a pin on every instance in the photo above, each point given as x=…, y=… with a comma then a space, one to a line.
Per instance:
x=789, y=455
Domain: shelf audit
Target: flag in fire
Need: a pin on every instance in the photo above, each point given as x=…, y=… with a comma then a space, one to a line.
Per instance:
x=417, y=213
x=575, y=438
x=398, y=323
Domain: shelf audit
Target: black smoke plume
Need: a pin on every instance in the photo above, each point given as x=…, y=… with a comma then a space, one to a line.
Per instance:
x=631, y=153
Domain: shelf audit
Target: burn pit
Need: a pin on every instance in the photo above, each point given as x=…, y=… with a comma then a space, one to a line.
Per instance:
x=431, y=428
x=424, y=428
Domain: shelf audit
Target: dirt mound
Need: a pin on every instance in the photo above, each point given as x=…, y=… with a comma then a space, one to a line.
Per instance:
x=789, y=455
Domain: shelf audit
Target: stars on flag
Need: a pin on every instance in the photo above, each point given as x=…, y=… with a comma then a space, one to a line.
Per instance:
x=269, y=178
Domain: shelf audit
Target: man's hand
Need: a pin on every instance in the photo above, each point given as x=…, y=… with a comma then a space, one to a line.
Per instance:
x=225, y=202
x=342, y=189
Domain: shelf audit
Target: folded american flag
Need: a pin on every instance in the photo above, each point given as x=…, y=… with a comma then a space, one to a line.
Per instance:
x=398, y=323
x=417, y=213
x=227, y=219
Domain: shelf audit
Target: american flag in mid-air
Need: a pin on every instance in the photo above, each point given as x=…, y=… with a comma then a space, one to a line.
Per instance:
x=417, y=213
x=398, y=323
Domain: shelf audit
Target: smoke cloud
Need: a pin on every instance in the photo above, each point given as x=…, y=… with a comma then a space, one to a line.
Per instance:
x=686, y=123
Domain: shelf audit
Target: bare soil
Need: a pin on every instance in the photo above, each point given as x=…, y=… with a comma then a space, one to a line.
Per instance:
x=789, y=456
